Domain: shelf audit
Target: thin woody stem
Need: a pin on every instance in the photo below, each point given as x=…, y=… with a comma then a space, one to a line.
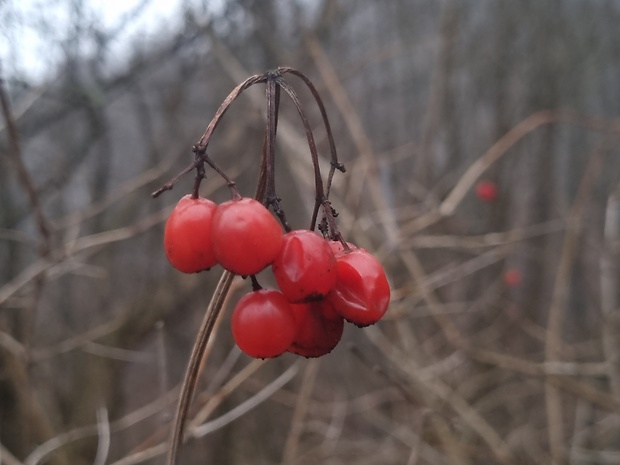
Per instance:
x=201, y=147
x=190, y=380
x=335, y=164
x=321, y=197
x=261, y=186
x=14, y=153
x=273, y=107
x=273, y=103
x=255, y=284
x=318, y=180
x=206, y=137
x=231, y=184
x=170, y=184
x=200, y=173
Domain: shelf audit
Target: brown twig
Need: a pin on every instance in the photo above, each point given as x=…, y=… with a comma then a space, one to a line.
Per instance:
x=434, y=389
x=367, y=162
x=454, y=198
x=301, y=409
x=555, y=319
x=200, y=149
x=215, y=400
x=190, y=380
x=29, y=407
x=610, y=306
x=7, y=458
x=15, y=155
x=320, y=197
x=335, y=163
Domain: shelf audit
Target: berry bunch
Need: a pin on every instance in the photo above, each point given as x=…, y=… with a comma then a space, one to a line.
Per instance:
x=322, y=283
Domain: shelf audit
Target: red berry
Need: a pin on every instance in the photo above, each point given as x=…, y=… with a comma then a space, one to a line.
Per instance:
x=187, y=236
x=319, y=329
x=486, y=191
x=246, y=237
x=305, y=268
x=263, y=324
x=512, y=277
x=362, y=293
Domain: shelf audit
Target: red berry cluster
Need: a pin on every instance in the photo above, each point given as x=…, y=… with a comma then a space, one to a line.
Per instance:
x=322, y=283
x=241, y=235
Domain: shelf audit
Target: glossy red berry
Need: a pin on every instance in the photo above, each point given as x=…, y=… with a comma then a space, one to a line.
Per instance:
x=263, y=324
x=486, y=191
x=305, y=268
x=362, y=292
x=187, y=235
x=246, y=237
x=319, y=329
x=512, y=277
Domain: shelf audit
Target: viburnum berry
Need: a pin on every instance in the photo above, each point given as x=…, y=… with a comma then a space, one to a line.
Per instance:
x=246, y=237
x=512, y=277
x=362, y=292
x=263, y=324
x=486, y=191
x=305, y=268
x=187, y=235
x=319, y=329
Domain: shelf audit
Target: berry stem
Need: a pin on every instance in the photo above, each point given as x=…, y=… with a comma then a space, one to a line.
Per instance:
x=255, y=284
x=232, y=185
x=318, y=180
x=321, y=199
x=273, y=107
x=200, y=172
x=274, y=202
x=200, y=149
x=271, y=199
x=206, y=137
x=334, y=164
x=170, y=184
x=196, y=360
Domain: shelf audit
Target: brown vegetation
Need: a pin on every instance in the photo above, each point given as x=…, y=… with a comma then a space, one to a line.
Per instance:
x=425, y=98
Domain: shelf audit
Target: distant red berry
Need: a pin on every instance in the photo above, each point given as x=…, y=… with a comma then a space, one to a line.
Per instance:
x=246, y=237
x=187, y=235
x=486, y=191
x=319, y=329
x=305, y=268
x=362, y=292
x=512, y=277
x=263, y=324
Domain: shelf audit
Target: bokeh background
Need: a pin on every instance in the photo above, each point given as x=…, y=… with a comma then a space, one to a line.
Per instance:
x=502, y=341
